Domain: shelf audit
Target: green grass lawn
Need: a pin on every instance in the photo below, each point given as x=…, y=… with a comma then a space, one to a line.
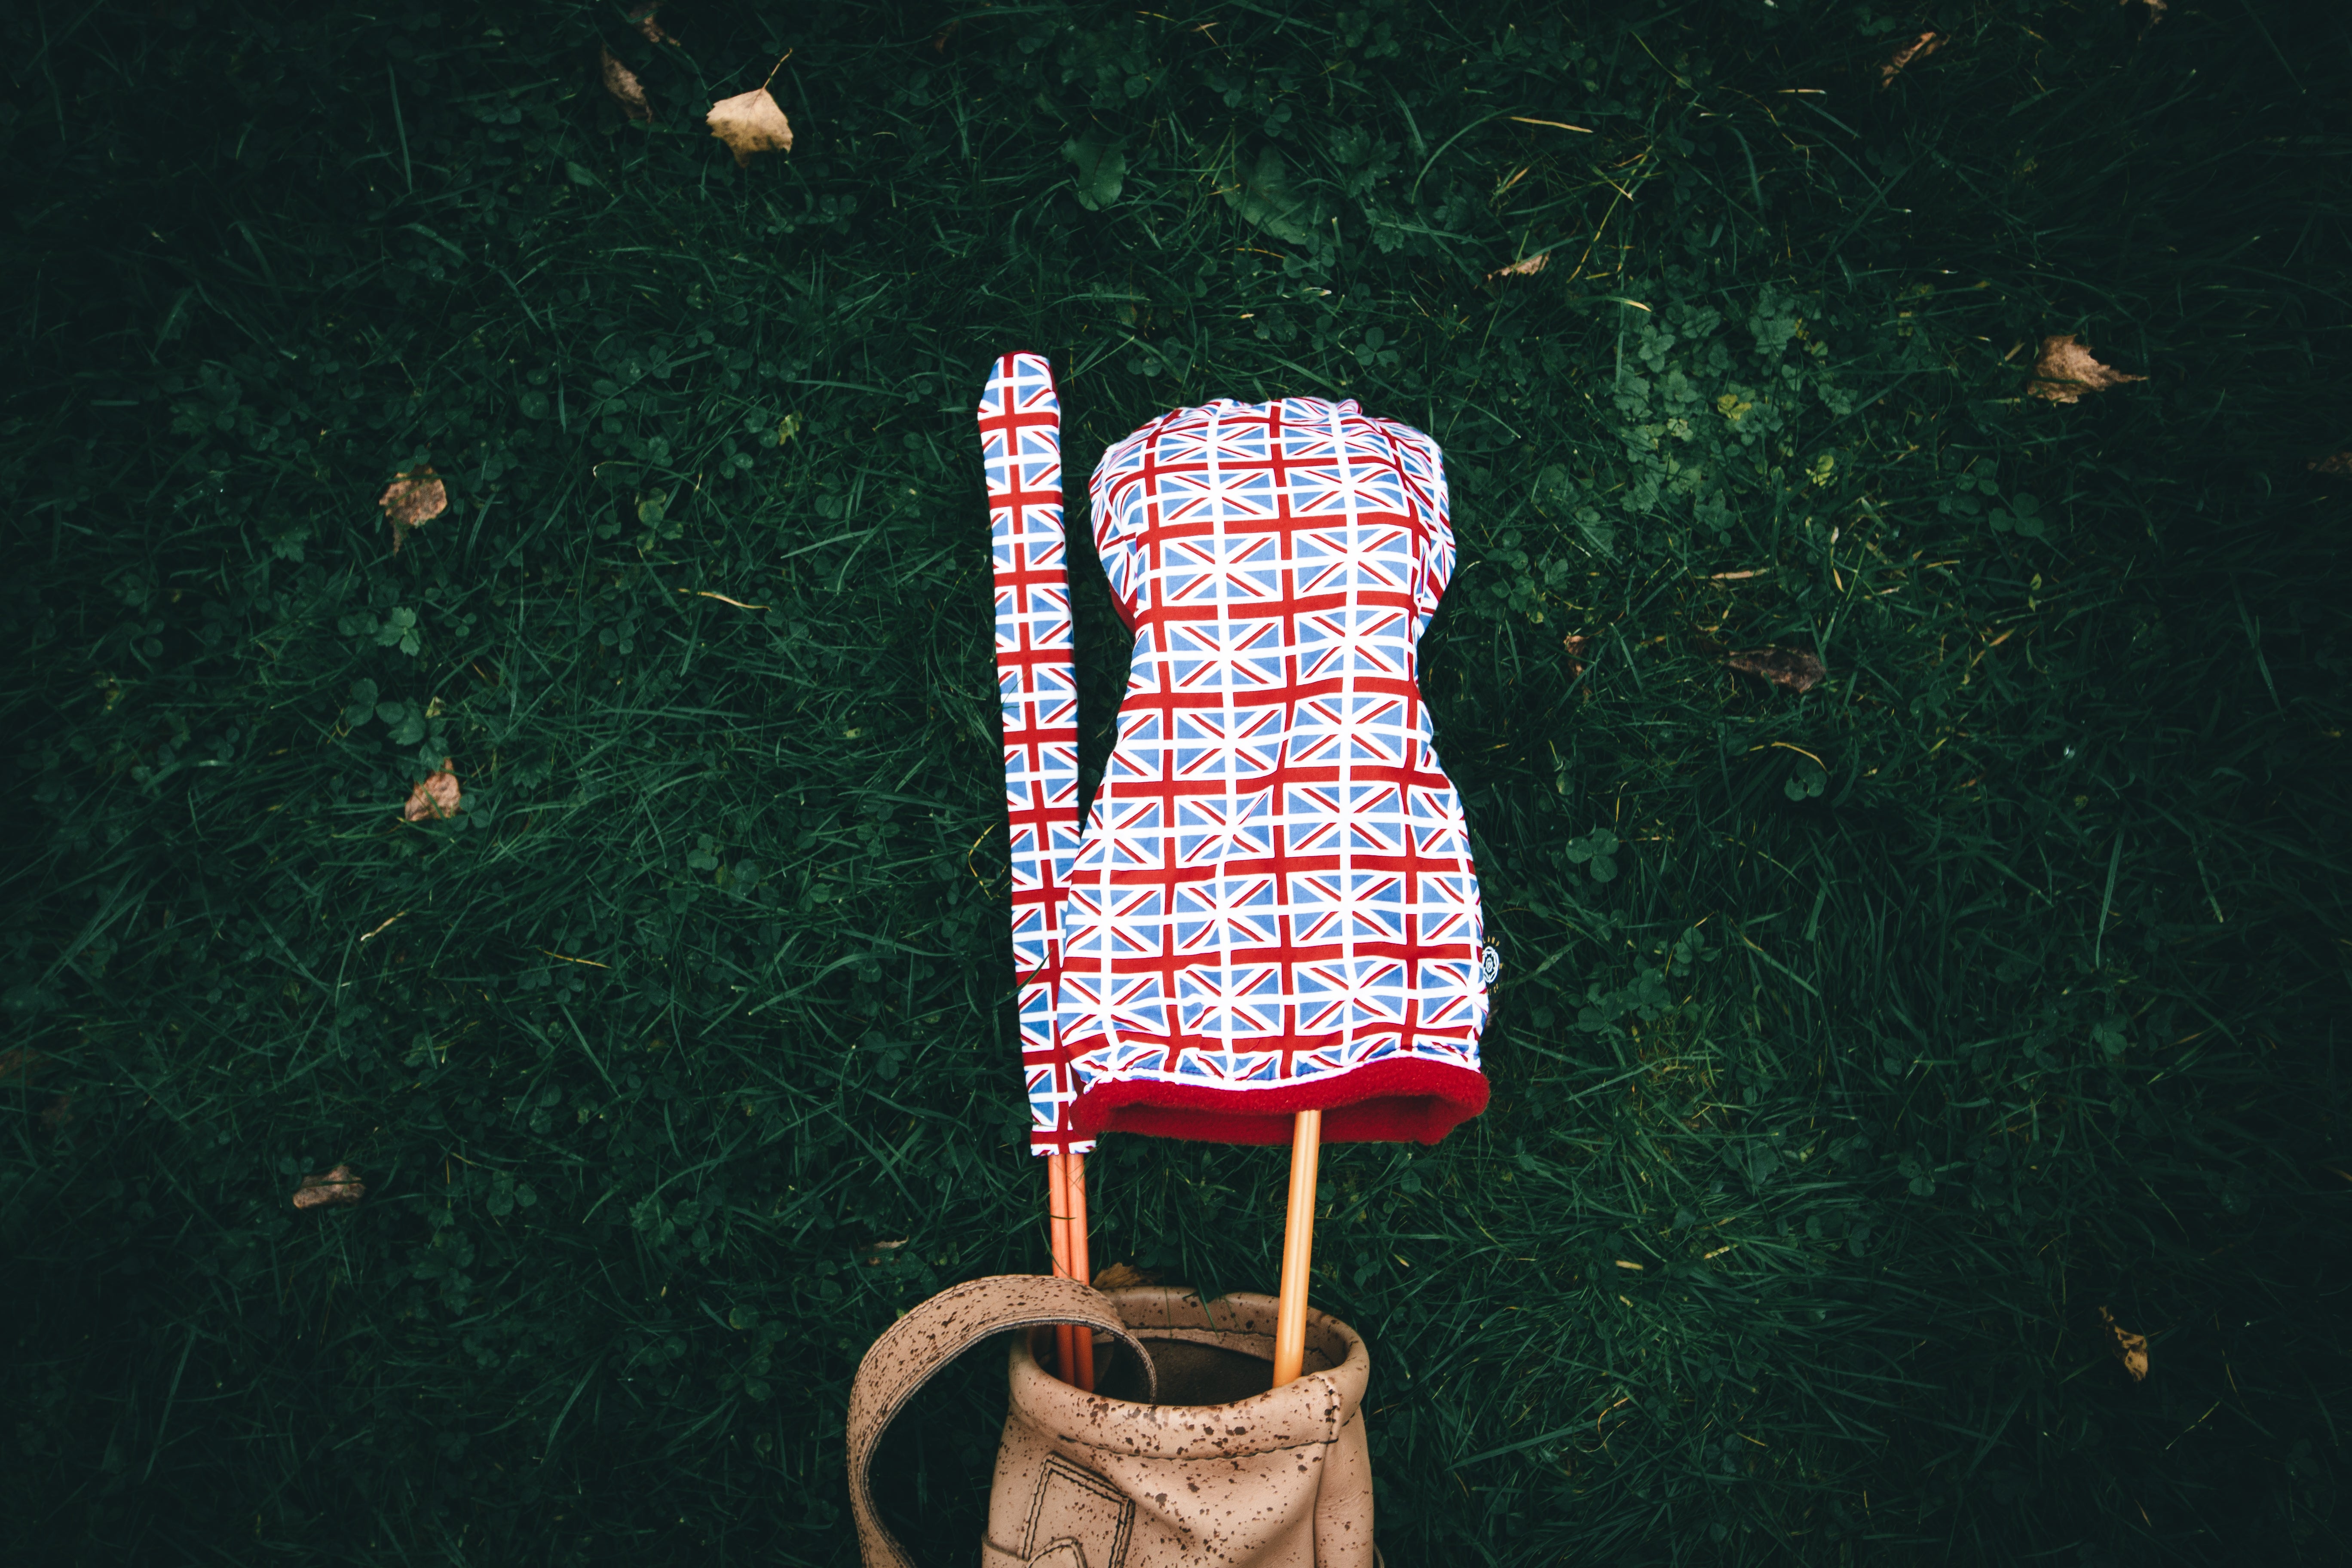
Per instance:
x=1866, y=1056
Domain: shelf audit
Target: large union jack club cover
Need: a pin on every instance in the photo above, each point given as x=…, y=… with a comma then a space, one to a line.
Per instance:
x=1272, y=906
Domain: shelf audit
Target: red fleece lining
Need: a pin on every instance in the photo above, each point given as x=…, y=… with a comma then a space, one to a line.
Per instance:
x=1386, y=1102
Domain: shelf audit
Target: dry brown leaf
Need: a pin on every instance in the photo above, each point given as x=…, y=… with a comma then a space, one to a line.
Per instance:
x=336, y=1187
x=2334, y=463
x=626, y=90
x=58, y=1112
x=2066, y=371
x=412, y=500
x=1918, y=48
x=1123, y=1277
x=436, y=795
x=750, y=122
x=647, y=16
x=2131, y=1348
x=18, y=1060
x=2155, y=12
x=1526, y=269
x=1790, y=667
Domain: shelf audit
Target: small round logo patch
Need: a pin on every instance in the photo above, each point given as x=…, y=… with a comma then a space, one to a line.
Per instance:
x=1490, y=964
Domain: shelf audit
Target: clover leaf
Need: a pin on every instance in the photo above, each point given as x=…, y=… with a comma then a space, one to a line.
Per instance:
x=2022, y=515
x=1595, y=852
x=1101, y=171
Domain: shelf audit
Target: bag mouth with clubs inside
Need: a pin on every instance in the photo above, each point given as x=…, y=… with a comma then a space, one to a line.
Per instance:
x=1209, y=1354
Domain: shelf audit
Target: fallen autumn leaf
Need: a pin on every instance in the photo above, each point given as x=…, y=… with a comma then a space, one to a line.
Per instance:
x=2066, y=371
x=1920, y=48
x=1526, y=269
x=750, y=122
x=626, y=90
x=436, y=795
x=336, y=1187
x=2131, y=1348
x=410, y=500
x=1790, y=667
x=2334, y=463
x=647, y=16
x=1123, y=1276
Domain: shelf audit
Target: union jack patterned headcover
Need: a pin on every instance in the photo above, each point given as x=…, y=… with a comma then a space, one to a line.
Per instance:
x=1272, y=908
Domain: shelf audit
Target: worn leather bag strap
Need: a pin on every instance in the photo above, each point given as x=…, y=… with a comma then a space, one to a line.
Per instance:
x=915, y=1348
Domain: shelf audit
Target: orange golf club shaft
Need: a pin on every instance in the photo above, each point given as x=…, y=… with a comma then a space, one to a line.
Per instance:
x=1057, y=1211
x=1080, y=1266
x=1297, y=1249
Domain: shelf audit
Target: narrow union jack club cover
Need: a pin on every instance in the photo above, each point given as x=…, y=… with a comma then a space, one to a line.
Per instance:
x=1272, y=907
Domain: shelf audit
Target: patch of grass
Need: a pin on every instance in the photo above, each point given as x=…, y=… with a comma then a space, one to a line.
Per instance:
x=1858, y=1052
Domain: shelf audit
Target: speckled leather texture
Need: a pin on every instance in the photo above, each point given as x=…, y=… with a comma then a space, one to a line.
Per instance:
x=1184, y=1456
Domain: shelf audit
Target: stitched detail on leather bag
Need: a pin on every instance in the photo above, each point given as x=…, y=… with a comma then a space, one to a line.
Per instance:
x=1074, y=1508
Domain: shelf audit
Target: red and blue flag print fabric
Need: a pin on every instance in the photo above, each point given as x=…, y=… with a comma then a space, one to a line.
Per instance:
x=1272, y=907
